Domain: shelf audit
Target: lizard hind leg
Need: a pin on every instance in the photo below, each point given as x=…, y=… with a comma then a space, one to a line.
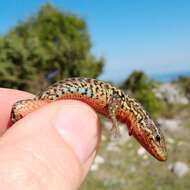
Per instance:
x=113, y=106
x=23, y=107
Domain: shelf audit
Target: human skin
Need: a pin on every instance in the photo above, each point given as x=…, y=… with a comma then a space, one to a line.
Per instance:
x=51, y=148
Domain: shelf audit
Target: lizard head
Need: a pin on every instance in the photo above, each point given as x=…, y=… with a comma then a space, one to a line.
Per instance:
x=150, y=137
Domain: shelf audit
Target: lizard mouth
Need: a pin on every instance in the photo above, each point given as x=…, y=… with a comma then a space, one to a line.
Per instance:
x=156, y=150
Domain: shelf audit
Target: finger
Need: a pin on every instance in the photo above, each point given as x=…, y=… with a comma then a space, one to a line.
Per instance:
x=7, y=98
x=51, y=148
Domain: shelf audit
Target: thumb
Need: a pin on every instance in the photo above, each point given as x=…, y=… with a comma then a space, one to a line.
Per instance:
x=51, y=148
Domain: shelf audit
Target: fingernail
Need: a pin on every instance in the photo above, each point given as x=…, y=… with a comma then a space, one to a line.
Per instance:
x=78, y=124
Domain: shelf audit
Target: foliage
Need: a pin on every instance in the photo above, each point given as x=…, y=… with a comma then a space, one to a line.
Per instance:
x=184, y=82
x=138, y=80
x=141, y=88
x=49, y=46
x=150, y=102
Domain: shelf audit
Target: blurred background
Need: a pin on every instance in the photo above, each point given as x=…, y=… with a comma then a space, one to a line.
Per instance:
x=142, y=46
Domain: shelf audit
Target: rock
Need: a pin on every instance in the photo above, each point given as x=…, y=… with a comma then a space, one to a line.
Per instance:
x=94, y=167
x=119, y=140
x=103, y=138
x=141, y=151
x=99, y=160
x=170, y=140
x=145, y=157
x=169, y=124
x=112, y=146
x=132, y=169
x=124, y=136
x=171, y=93
x=107, y=124
x=179, y=168
x=115, y=142
x=122, y=128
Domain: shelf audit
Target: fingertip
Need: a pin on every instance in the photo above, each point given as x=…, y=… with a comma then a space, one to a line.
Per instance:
x=80, y=127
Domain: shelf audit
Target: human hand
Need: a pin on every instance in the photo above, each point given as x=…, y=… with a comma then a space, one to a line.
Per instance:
x=51, y=148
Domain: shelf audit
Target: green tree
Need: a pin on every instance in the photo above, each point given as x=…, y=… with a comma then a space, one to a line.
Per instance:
x=141, y=87
x=137, y=81
x=184, y=82
x=49, y=46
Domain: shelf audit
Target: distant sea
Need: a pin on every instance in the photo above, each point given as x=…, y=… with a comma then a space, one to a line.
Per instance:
x=168, y=77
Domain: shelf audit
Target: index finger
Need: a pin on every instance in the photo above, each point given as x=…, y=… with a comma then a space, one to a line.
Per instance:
x=7, y=98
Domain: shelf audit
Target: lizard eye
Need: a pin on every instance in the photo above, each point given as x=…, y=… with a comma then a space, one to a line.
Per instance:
x=158, y=138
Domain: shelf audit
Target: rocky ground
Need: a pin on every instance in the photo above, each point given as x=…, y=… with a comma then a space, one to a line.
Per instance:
x=123, y=164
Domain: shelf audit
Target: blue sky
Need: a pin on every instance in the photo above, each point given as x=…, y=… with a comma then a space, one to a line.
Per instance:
x=152, y=35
